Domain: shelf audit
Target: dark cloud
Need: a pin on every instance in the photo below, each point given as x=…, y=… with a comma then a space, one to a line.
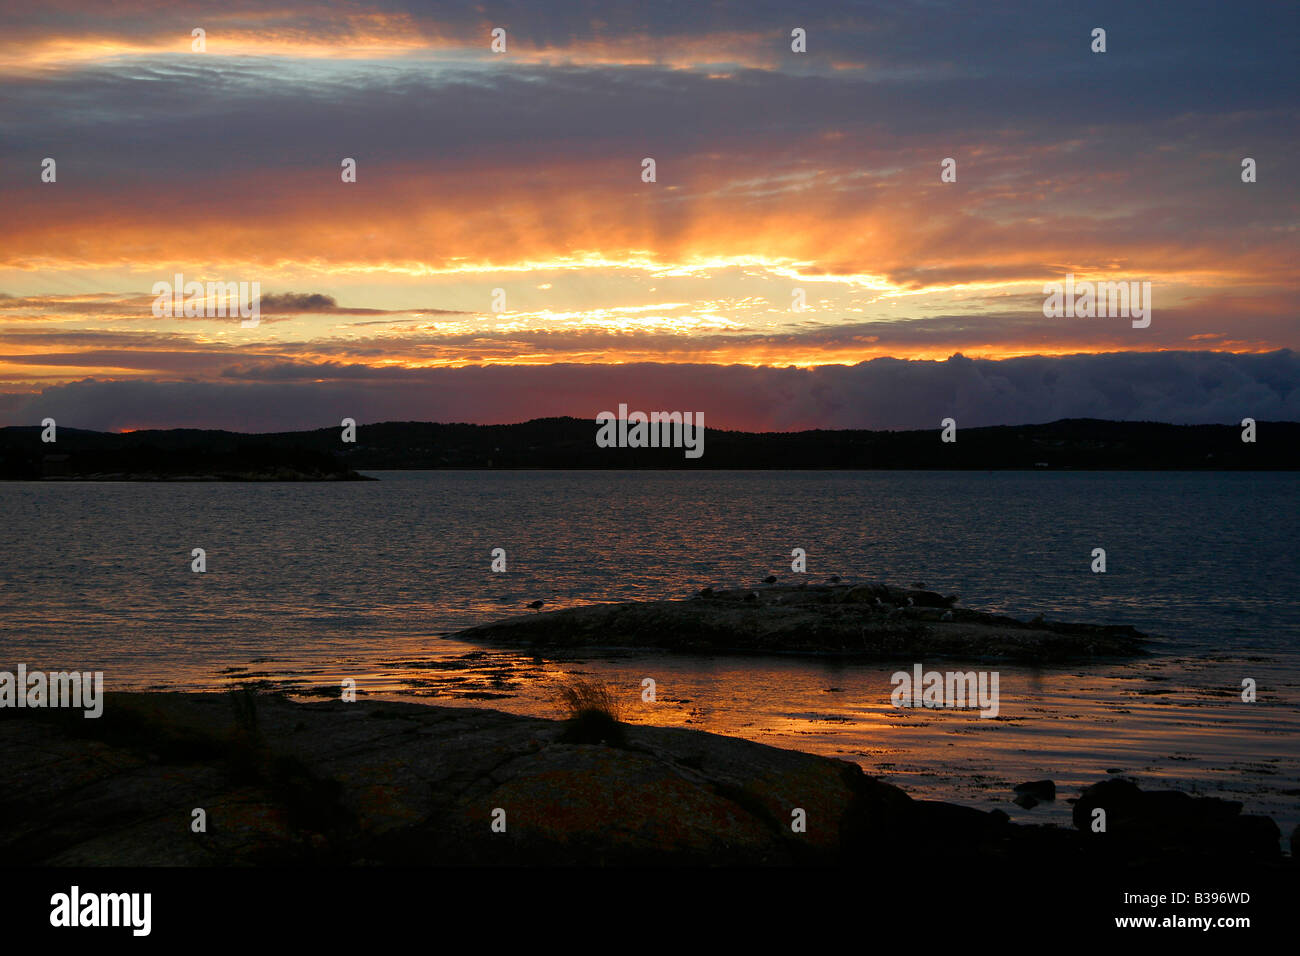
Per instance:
x=291, y=303
x=947, y=72
x=95, y=303
x=303, y=302
x=1177, y=387
x=111, y=305
x=1252, y=325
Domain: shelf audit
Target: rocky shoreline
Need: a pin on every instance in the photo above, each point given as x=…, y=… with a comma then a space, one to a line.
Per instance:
x=376, y=783
x=861, y=621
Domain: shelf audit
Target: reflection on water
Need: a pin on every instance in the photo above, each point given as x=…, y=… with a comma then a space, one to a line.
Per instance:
x=308, y=584
x=1167, y=723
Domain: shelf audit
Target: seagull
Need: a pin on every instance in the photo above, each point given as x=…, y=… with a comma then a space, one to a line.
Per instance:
x=910, y=602
x=770, y=579
x=536, y=605
x=947, y=616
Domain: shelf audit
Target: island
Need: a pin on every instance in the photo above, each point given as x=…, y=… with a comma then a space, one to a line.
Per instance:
x=866, y=621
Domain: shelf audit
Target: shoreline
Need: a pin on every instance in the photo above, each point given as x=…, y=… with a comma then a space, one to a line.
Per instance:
x=1061, y=722
x=335, y=783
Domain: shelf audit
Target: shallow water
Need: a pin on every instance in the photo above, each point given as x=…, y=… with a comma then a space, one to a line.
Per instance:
x=309, y=583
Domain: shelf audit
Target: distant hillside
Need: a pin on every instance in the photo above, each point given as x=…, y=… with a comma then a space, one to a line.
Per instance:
x=176, y=455
x=570, y=443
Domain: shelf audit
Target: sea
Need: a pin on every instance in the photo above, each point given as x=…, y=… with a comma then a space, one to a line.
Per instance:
x=308, y=584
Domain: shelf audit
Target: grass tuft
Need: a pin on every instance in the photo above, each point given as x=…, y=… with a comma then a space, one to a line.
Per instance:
x=591, y=713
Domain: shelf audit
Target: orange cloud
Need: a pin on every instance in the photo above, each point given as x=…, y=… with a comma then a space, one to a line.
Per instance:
x=580, y=215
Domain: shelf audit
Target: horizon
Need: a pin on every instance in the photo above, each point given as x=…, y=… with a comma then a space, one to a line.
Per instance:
x=584, y=421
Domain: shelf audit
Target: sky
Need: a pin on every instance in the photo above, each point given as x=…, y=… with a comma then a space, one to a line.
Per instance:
x=500, y=255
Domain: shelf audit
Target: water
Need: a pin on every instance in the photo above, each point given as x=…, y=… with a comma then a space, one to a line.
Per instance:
x=309, y=583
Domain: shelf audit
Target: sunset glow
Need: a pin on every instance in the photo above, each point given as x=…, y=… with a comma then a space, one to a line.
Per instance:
x=778, y=176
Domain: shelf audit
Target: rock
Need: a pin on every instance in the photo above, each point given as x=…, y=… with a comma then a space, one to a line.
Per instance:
x=407, y=784
x=865, y=594
x=1026, y=800
x=865, y=621
x=1043, y=790
x=411, y=784
x=1164, y=821
x=920, y=598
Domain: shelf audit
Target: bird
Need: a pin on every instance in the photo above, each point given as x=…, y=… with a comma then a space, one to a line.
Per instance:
x=910, y=601
x=947, y=616
x=770, y=579
x=536, y=605
x=834, y=579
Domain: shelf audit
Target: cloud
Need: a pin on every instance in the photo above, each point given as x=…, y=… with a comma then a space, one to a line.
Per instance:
x=301, y=303
x=776, y=170
x=308, y=350
x=235, y=161
x=1176, y=387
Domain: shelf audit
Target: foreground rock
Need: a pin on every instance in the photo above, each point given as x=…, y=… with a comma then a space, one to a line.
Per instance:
x=846, y=620
x=1030, y=795
x=1154, y=823
x=395, y=783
